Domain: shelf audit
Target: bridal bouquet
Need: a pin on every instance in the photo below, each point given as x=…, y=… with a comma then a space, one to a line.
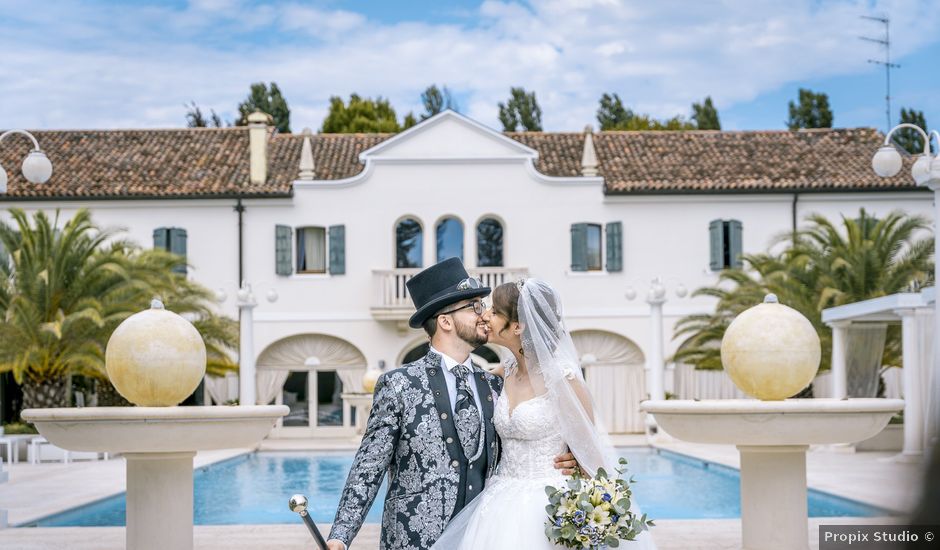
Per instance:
x=593, y=512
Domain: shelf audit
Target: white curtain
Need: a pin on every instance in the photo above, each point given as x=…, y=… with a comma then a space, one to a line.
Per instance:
x=222, y=388
x=615, y=375
x=270, y=384
x=350, y=377
x=894, y=382
x=617, y=392
x=217, y=387
x=315, y=248
x=865, y=346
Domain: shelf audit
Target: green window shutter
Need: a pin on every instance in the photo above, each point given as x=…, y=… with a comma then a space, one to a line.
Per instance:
x=337, y=249
x=161, y=238
x=735, y=243
x=614, y=246
x=178, y=246
x=579, y=252
x=283, y=259
x=716, y=241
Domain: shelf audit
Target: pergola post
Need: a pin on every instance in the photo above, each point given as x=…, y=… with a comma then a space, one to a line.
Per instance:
x=840, y=330
x=913, y=404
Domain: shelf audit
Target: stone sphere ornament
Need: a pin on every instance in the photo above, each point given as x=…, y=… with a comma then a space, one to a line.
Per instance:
x=369, y=379
x=771, y=351
x=155, y=358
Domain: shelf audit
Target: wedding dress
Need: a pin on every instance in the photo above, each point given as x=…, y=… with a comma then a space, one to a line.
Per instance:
x=510, y=512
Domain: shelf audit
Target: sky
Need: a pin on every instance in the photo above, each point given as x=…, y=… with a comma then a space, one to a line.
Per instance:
x=136, y=64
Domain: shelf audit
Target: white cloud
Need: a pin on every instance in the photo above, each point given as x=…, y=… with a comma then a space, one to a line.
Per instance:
x=102, y=65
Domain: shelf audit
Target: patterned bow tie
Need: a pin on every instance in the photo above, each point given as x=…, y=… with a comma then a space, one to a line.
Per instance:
x=466, y=414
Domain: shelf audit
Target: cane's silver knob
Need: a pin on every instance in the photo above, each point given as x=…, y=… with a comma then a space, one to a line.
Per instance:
x=298, y=503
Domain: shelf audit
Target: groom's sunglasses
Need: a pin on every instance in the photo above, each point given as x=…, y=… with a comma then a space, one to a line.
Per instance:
x=470, y=283
x=478, y=308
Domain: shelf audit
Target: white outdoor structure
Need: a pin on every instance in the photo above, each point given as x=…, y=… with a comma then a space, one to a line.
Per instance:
x=158, y=444
x=660, y=198
x=921, y=387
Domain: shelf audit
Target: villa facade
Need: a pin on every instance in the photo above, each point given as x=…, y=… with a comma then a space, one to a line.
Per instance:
x=335, y=225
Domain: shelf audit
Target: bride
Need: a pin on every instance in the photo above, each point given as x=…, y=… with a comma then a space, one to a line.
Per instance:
x=544, y=408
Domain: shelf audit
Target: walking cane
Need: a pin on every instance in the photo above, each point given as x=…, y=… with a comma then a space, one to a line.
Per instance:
x=298, y=503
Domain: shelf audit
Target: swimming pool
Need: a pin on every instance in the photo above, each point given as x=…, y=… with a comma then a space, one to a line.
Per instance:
x=254, y=488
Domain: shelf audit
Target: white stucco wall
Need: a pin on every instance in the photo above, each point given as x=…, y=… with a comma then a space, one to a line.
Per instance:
x=453, y=168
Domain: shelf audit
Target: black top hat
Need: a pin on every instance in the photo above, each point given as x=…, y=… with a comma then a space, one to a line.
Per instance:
x=441, y=284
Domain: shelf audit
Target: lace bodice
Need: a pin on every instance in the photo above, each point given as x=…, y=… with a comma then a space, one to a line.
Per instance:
x=529, y=437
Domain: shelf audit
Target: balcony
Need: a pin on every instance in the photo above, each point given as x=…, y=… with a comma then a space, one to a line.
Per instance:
x=392, y=302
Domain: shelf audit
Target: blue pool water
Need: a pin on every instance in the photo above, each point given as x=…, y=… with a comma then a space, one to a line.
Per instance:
x=254, y=489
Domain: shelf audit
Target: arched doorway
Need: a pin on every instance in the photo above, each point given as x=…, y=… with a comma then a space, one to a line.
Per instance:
x=614, y=371
x=310, y=373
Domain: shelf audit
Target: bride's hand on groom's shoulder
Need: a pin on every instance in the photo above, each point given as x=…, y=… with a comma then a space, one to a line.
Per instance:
x=566, y=463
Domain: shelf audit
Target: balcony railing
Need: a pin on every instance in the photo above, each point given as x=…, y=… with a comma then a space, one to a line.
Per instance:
x=393, y=303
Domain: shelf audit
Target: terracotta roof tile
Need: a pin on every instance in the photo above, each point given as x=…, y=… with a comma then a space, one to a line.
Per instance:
x=705, y=161
x=214, y=162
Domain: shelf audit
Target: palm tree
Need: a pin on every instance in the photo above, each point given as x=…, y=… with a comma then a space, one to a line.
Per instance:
x=64, y=291
x=822, y=266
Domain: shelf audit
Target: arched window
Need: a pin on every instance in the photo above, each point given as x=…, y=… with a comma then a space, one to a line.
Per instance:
x=449, y=239
x=489, y=243
x=408, y=247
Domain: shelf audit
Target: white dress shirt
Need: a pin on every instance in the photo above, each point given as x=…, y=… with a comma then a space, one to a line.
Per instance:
x=447, y=366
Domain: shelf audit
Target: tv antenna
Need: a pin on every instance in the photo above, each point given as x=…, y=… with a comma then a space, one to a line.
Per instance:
x=888, y=65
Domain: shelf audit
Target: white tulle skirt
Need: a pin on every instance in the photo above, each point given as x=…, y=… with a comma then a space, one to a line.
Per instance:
x=510, y=515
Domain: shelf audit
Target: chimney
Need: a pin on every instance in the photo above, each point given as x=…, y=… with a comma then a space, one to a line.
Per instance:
x=306, y=158
x=588, y=157
x=258, y=146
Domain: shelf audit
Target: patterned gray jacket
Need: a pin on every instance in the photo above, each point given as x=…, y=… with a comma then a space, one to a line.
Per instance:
x=411, y=435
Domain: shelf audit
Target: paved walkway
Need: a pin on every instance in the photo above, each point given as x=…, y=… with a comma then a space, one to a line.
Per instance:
x=36, y=491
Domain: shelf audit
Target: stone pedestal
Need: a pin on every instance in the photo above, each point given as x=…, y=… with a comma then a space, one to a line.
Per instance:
x=772, y=438
x=773, y=492
x=160, y=500
x=159, y=444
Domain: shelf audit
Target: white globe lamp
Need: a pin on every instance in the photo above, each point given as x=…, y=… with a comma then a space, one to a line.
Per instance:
x=886, y=162
x=36, y=167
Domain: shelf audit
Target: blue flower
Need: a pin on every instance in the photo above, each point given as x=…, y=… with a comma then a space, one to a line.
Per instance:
x=614, y=518
x=558, y=522
x=606, y=497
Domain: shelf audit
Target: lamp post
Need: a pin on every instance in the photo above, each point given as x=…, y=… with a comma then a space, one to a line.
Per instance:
x=887, y=163
x=37, y=168
x=245, y=300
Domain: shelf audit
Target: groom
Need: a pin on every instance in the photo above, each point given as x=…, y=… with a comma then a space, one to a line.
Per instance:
x=431, y=426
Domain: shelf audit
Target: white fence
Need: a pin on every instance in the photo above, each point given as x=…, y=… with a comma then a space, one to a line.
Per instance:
x=392, y=292
x=715, y=384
